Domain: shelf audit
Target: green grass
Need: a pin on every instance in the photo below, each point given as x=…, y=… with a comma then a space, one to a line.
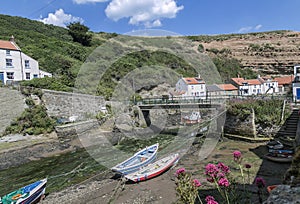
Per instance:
x=54, y=168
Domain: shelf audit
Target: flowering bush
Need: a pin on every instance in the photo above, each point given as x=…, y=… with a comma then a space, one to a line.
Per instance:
x=186, y=188
x=219, y=175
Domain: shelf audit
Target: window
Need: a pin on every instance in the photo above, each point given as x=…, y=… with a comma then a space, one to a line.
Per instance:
x=10, y=75
x=9, y=63
x=8, y=53
x=27, y=75
x=35, y=76
x=27, y=65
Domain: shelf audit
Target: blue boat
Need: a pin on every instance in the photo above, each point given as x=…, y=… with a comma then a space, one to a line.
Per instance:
x=138, y=160
x=31, y=193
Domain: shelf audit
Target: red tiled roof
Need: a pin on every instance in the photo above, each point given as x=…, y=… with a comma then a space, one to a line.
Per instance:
x=227, y=87
x=193, y=80
x=8, y=45
x=253, y=81
x=239, y=81
x=285, y=80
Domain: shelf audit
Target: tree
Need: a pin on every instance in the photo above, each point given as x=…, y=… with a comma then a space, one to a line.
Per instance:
x=79, y=33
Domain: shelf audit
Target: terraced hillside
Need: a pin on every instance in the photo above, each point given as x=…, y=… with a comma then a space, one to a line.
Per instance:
x=269, y=52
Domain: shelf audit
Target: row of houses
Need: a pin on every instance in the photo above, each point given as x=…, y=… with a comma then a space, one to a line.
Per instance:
x=16, y=65
x=196, y=87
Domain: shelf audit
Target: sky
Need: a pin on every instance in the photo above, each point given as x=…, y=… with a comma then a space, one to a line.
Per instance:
x=183, y=17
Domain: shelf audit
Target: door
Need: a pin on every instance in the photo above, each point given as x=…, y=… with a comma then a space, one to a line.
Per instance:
x=298, y=94
x=2, y=77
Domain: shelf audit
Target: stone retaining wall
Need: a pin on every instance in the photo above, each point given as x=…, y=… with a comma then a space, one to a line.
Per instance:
x=65, y=104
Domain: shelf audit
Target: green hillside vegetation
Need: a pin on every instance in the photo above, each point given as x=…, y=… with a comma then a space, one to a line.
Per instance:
x=55, y=50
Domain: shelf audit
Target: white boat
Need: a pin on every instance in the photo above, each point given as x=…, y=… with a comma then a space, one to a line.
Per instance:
x=154, y=169
x=26, y=195
x=138, y=160
x=275, y=145
x=193, y=118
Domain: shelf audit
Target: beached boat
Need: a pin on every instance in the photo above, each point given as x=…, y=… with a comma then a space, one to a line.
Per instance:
x=154, y=169
x=282, y=158
x=26, y=195
x=281, y=151
x=193, y=118
x=275, y=144
x=138, y=160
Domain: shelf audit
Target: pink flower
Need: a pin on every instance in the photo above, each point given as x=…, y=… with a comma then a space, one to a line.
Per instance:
x=223, y=182
x=248, y=166
x=225, y=169
x=196, y=183
x=180, y=171
x=211, y=170
x=210, y=200
x=260, y=182
x=237, y=154
x=211, y=180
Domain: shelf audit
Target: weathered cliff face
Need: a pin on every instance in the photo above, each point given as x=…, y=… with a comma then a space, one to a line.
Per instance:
x=270, y=53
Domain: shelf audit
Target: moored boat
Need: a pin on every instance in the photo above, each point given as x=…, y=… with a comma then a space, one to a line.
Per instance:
x=193, y=118
x=138, y=160
x=282, y=158
x=154, y=169
x=26, y=195
x=274, y=144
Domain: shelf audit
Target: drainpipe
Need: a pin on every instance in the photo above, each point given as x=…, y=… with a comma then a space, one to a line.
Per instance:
x=22, y=70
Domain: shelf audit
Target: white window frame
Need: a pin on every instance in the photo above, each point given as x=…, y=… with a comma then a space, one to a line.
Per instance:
x=8, y=53
x=26, y=74
x=27, y=64
x=10, y=75
x=9, y=62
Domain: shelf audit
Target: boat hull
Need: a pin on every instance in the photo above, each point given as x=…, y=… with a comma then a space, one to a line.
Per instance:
x=137, y=161
x=285, y=159
x=154, y=169
x=26, y=195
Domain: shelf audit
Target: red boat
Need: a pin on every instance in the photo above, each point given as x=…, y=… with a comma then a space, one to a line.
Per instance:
x=154, y=169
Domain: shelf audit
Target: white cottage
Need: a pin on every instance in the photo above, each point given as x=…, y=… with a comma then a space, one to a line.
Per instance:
x=15, y=65
x=296, y=83
x=261, y=85
x=192, y=87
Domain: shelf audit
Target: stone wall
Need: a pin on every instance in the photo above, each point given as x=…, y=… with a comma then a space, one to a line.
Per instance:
x=240, y=126
x=65, y=104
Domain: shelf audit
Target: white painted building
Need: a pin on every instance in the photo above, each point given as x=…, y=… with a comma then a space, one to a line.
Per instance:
x=269, y=85
x=261, y=85
x=192, y=87
x=16, y=65
x=296, y=83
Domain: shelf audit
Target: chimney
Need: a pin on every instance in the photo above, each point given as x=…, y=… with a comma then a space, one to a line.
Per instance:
x=199, y=76
x=12, y=39
x=258, y=76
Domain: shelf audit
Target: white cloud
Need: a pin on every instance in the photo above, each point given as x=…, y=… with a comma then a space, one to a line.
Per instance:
x=146, y=12
x=60, y=18
x=257, y=27
x=249, y=28
x=88, y=1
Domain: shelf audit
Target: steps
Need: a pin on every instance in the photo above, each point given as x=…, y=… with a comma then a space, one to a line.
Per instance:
x=11, y=106
x=287, y=134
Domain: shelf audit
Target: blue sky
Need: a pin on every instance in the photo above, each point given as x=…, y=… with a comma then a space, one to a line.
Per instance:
x=185, y=17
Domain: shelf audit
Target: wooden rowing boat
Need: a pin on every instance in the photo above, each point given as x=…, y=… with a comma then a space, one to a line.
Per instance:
x=26, y=195
x=138, y=160
x=282, y=158
x=154, y=169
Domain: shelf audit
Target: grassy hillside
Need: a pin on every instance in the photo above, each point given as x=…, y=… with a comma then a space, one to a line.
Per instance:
x=56, y=53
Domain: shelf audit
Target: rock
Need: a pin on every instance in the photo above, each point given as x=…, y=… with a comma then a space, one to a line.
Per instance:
x=284, y=194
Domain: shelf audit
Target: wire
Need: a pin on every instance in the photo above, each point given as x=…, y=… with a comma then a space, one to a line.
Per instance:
x=42, y=8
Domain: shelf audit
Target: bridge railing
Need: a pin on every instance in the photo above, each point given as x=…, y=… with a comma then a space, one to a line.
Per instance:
x=208, y=100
